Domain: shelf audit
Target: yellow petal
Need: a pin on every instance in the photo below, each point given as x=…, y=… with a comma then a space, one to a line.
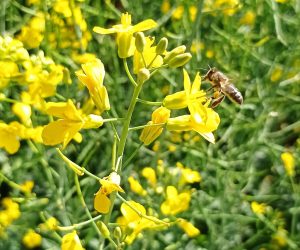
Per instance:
x=186, y=83
x=129, y=213
x=101, y=203
x=196, y=84
x=71, y=241
x=65, y=110
x=144, y=25
x=60, y=131
x=104, y=31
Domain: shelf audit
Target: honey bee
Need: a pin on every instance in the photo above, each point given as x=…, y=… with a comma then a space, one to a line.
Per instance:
x=223, y=87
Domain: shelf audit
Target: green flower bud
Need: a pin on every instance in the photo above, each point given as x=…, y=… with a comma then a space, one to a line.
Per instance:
x=180, y=60
x=140, y=41
x=103, y=229
x=117, y=233
x=144, y=74
x=162, y=46
x=175, y=52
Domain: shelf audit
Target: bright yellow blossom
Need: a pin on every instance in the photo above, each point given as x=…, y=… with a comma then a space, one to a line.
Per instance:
x=258, y=208
x=92, y=77
x=188, y=228
x=108, y=185
x=188, y=175
x=23, y=111
x=70, y=122
x=9, y=138
x=193, y=12
x=150, y=175
x=165, y=6
x=248, y=18
x=10, y=212
x=133, y=222
x=150, y=133
x=187, y=123
x=288, y=163
x=136, y=187
x=192, y=97
x=178, y=12
x=7, y=71
x=27, y=186
x=125, y=31
x=175, y=202
x=50, y=224
x=71, y=241
x=32, y=239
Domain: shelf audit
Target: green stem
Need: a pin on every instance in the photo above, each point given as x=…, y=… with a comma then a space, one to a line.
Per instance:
x=112, y=119
x=78, y=189
x=147, y=125
x=149, y=103
x=78, y=225
x=128, y=73
x=9, y=182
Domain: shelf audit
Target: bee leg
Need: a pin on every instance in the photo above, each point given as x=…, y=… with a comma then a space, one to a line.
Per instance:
x=217, y=101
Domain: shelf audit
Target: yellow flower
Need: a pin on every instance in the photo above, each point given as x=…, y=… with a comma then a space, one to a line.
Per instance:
x=188, y=122
x=62, y=7
x=248, y=18
x=50, y=224
x=188, y=228
x=150, y=175
x=209, y=53
x=281, y=1
x=27, y=186
x=9, y=138
x=108, y=185
x=7, y=70
x=165, y=6
x=147, y=56
x=192, y=97
x=280, y=238
x=32, y=239
x=276, y=74
x=71, y=241
x=70, y=122
x=193, y=12
x=188, y=175
x=289, y=163
x=32, y=33
x=10, y=213
x=23, y=111
x=175, y=202
x=136, y=187
x=125, y=31
x=197, y=46
x=150, y=133
x=178, y=12
x=258, y=208
x=83, y=58
x=92, y=77
x=132, y=223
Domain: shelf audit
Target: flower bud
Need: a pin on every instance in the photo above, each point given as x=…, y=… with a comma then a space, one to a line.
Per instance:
x=150, y=133
x=140, y=41
x=162, y=46
x=180, y=60
x=125, y=42
x=103, y=229
x=144, y=74
x=117, y=233
x=175, y=52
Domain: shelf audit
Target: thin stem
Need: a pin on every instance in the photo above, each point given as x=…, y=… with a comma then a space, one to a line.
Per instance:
x=128, y=73
x=147, y=125
x=78, y=225
x=113, y=119
x=90, y=174
x=144, y=61
x=78, y=189
x=149, y=102
x=9, y=182
x=152, y=61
